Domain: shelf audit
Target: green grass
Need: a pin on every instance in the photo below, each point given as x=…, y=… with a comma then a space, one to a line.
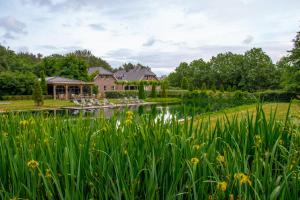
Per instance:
x=164, y=100
x=30, y=105
x=146, y=158
x=242, y=111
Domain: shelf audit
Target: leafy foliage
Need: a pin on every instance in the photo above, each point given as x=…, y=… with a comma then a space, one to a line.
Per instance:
x=142, y=91
x=37, y=94
x=16, y=83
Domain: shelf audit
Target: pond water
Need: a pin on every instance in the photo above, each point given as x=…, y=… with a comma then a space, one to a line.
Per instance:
x=165, y=111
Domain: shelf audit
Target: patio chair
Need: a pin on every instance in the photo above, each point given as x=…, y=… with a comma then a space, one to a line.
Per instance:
x=137, y=100
x=97, y=102
x=75, y=101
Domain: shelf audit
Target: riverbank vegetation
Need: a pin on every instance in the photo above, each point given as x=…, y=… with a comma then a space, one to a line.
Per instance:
x=142, y=157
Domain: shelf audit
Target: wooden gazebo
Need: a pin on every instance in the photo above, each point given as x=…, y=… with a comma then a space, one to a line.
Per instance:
x=64, y=88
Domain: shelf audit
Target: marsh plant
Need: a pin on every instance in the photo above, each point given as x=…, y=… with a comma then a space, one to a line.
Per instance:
x=44, y=157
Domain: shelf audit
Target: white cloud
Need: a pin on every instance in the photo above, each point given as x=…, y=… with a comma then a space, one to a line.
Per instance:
x=160, y=34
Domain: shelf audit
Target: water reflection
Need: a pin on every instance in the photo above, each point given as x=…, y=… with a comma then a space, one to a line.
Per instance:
x=161, y=112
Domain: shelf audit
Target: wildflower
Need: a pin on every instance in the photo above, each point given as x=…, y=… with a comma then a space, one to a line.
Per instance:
x=128, y=121
x=48, y=173
x=129, y=115
x=5, y=134
x=257, y=140
x=32, y=164
x=125, y=152
x=222, y=186
x=221, y=158
x=196, y=147
x=243, y=178
x=46, y=141
x=281, y=142
x=195, y=161
x=24, y=123
x=231, y=197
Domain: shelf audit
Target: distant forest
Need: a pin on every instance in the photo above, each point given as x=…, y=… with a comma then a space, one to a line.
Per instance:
x=251, y=71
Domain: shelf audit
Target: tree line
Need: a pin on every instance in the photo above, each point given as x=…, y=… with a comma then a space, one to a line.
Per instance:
x=19, y=71
x=251, y=71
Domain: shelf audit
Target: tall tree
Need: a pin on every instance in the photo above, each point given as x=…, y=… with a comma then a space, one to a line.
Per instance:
x=37, y=94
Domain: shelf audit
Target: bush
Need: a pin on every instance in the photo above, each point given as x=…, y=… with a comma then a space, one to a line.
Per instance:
x=16, y=83
x=209, y=101
x=276, y=95
x=121, y=94
x=22, y=97
x=37, y=94
x=142, y=91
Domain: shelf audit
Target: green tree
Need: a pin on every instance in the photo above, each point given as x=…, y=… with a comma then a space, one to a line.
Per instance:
x=203, y=87
x=185, y=83
x=258, y=71
x=153, y=90
x=43, y=83
x=16, y=83
x=141, y=91
x=37, y=94
x=227, y=68
x=213, y=87
x=164, y=86
x=221, y=88
x=90, y=59
x=291, y=66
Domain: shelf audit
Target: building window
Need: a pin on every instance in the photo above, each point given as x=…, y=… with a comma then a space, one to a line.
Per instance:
x=113, y=87
x=104, y=87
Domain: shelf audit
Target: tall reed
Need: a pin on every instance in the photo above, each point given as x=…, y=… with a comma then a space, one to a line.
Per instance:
x=139, y=157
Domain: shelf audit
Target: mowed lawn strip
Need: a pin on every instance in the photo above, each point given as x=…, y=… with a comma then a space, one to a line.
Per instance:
x=30, y=105
x=241, y=111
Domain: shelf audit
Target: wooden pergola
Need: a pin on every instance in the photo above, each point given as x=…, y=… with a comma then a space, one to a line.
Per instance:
x=67, y=84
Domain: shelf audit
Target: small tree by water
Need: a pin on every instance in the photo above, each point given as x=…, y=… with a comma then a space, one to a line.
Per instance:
x=153, y=90
x=141, y=91
x=43, y=83
x=163, y=89
x=37, y=94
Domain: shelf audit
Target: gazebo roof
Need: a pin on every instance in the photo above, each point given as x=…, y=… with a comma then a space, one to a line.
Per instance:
x=65, y=81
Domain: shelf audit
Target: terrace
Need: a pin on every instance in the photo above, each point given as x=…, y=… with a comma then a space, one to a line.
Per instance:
x=64, y=88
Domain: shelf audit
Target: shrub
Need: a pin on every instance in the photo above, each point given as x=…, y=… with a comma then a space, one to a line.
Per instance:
x=142, y=91
x=153, y=91
x=276, y=95
x=121, y=94
x=22, y=97
x=37, y=94
x=16, y=83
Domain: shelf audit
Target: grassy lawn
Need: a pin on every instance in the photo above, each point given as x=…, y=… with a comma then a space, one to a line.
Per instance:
x=241, y=111
x=29, y=104
x=164, y=100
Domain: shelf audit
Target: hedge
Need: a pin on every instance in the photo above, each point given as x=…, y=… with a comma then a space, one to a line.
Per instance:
x=21, y=97
x=276, y=95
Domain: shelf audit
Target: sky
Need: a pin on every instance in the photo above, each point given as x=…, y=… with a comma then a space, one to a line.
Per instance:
x=156, y=33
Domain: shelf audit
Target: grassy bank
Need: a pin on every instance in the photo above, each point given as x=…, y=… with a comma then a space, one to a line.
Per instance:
x=56, y=158
x=240, y=112
x=30, y=105
x=164, y=100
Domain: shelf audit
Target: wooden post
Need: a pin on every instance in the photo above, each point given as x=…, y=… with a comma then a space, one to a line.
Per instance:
x=54, y=92
x=91, y=90
x=66, y=92
x=81, y=91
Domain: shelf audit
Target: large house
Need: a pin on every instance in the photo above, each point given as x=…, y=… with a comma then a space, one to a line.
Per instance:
x=64, y=88
x=107, y=80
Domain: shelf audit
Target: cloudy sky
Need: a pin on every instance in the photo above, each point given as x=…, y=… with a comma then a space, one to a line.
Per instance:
x=157, y=33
